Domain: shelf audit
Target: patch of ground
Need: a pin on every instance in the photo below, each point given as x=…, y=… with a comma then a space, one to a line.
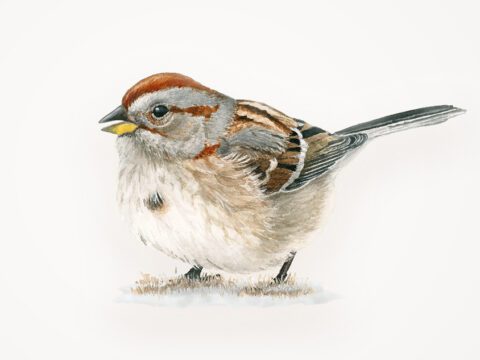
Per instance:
x=217, y=290
x=263, y=287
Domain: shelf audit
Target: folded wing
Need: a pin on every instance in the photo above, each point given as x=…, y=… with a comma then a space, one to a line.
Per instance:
x=286, y=153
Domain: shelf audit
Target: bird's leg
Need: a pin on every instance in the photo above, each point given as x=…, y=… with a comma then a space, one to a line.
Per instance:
x=194, y=273
x=282, y=274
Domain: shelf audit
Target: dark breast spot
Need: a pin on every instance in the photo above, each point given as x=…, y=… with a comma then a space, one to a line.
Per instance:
x=154, y=202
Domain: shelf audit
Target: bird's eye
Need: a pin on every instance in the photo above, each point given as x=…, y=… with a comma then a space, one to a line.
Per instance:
x=159, y=110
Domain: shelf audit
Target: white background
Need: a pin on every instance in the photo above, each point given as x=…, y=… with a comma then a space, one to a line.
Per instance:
x=401, y=246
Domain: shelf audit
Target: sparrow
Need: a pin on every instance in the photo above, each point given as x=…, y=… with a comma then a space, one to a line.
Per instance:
x=230, y=185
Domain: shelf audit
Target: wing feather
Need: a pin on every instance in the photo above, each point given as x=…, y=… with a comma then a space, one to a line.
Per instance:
x=286, y=153
x=327, y=157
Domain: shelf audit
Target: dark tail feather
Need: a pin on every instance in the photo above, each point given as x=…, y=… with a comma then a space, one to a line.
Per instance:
x=405, y=120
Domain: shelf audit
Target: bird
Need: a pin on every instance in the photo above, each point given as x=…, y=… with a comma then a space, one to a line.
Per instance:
x=230, y=185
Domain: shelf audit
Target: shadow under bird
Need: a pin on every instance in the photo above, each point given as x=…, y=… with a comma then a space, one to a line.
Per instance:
x=226, y=184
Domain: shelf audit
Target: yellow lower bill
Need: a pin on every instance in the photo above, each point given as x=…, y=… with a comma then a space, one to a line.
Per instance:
x=121, y=128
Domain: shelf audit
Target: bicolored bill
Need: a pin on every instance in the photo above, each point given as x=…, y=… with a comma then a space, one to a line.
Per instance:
x=124, y=126
x=121, y=128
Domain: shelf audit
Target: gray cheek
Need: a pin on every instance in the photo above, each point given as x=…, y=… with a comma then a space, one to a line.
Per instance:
x=185, y=137
x=183, y=127
x=188, y=139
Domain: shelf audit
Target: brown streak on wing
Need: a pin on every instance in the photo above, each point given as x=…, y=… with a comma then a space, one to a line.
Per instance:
x=278, y=177
x=241, y=122
x=249, y=109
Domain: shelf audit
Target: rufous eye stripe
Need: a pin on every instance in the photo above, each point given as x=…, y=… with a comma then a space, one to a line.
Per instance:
x=201, y=110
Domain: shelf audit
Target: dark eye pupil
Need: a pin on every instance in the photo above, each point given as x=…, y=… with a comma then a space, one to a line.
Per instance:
x=159, y=111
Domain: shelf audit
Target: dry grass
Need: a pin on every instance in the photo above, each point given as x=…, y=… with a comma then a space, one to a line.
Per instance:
x=263, y=287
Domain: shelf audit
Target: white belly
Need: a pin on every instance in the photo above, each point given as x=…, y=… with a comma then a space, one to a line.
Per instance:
x=222, y=225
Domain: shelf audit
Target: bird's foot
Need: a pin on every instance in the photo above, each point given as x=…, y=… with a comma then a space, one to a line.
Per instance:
x=194, y=273
x=280, y=278
x=283, y=273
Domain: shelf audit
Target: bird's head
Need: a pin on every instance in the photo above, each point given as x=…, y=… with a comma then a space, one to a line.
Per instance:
x=171, y=115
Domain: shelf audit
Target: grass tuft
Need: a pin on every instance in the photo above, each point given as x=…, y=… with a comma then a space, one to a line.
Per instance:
x=260, y=287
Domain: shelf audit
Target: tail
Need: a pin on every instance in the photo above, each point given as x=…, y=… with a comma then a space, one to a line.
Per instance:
x=405, y=120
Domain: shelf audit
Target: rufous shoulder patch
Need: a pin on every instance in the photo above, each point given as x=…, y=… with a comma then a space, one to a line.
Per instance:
x=207, y=151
